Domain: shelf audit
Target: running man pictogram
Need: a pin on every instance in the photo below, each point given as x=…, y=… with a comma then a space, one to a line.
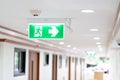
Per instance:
x=38, y=31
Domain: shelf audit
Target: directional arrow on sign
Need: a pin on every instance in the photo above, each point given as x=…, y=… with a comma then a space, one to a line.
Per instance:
x=53, y=31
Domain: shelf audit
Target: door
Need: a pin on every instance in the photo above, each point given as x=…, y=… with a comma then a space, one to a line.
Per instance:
x=33, y=65
x=54, y=67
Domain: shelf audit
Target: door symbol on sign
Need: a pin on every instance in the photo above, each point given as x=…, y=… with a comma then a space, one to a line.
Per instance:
x=38, y=31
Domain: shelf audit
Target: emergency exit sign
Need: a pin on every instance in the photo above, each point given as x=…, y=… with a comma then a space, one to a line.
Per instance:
x=46, y=31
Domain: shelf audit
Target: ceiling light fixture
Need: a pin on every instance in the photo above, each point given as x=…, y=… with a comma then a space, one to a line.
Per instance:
x=99, y=46
x=61, y=43
x=96, y=38
x=100, y=49
x=87, y=11
x=98, y=43
x=74, y=48
x=94, y=30
x=68, y=45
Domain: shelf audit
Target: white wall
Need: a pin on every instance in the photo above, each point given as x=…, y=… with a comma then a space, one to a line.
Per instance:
x=62, y=72
x=115, y=64
x=1, y=61
x=78, y=69
x=8, y=63
x=45, y=71
x=7, y=60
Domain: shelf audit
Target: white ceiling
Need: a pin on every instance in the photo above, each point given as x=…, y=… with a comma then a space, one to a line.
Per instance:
x=14, y=14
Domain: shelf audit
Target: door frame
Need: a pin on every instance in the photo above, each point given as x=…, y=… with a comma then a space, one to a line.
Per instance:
x=75, y=69
x=69, y=68
x=54, y=67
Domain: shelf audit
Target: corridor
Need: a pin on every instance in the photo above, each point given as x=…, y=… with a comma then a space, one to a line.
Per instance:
x=60, y=40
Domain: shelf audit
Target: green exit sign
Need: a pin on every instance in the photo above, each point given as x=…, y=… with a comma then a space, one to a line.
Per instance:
x=46, y=30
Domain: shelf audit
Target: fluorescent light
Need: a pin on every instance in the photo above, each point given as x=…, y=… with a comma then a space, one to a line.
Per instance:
x=87, y=11
x=99, y=46
x=96, y=38
x=98, y=43
x=74, y=48
x=93, y=29
x=100, y=49
x=68, y=45
x=61, y=43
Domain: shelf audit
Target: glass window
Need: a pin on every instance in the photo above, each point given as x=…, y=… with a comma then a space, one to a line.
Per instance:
x=19, y=61
x=46, y=59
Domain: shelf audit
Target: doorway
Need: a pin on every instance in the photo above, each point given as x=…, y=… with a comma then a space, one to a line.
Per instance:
x=33, y=65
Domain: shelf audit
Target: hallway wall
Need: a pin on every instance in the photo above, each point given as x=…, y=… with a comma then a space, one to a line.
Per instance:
x=45, y=70
x=115, y=64
x=7, y=64
x=78, y=69
x=63, y=70
x=1, y=61
x=8, y=61
x=72, y=68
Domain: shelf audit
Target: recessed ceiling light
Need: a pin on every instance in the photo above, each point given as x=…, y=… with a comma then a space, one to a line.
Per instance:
x=74, y=48
x=87, y=11
x=96, y=38
x=68, y=45
x=93, y=29
x=61, y=43
x=98, y=43
x=100, y=49
x=99, y=46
